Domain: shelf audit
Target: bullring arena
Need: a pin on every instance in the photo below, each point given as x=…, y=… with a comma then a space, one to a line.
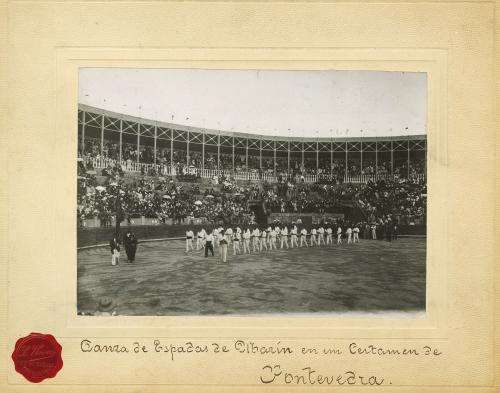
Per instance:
x=163, y=180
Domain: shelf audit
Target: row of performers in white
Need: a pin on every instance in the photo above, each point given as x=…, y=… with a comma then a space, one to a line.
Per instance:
x=268, y=239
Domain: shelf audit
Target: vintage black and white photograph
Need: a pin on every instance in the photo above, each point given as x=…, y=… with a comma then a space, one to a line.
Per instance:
x=251, y=192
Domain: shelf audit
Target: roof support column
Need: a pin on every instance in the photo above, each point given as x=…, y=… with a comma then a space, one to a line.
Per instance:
x=187, y=149
x=331, y=158
x=408, y=162
x=274, y=170
x=102, y=135
x=288, y=157
x=361, y=158
x=246, y=156
x=346, y=172
x=260, y=153
x=303, y=155
x=154, y=148
x=83, y=133
x=425, y=158
x=218, y=152
x=203, y=152
x=392, y=158
x=317, y=156
x=120, y=146
x=138, y=140
x=233, y=154
x=171, y=151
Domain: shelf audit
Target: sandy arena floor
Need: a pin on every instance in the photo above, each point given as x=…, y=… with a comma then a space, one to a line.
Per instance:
x=370, y=276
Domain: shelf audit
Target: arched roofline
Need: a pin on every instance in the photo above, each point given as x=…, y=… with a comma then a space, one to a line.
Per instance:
x=180, y=127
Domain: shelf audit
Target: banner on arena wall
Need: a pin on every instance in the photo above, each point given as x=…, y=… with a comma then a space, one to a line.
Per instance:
x=304, y=218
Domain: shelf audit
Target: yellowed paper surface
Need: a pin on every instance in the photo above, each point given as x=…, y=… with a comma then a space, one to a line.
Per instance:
x=453, y=42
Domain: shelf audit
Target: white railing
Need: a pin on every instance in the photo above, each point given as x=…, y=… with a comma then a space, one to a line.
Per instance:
x=362, y=178
x=167, y=170
x=366, y=178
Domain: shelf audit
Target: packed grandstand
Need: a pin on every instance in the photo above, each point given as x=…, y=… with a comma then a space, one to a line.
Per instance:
x=174, y=174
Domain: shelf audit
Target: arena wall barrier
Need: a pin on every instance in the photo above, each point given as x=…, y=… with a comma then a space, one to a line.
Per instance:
x=100, y=237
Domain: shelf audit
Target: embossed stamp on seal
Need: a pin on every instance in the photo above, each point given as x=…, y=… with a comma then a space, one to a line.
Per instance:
x=37, y=357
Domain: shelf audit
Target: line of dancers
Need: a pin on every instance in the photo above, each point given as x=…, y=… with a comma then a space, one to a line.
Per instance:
x=248, y=241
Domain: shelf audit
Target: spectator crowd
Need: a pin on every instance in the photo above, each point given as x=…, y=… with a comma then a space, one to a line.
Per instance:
x=321, y=164
x=181, y=200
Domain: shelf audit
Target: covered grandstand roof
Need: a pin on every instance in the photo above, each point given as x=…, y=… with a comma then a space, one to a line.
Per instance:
x=180, y=127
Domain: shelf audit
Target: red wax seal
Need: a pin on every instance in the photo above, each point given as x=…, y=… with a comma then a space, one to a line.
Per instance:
x=37, y=357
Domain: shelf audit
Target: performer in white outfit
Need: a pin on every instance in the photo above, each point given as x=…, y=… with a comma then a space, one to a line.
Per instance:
x=293, y=237
x=200, y=236
x=349, y=235
x=355, y=232
x=229, y=235
x=313, y=237
x=223, y=246
x=339, y=235
x=321, y=236
x=216, y=237
x=189, y=240
x=284, y=237
x=236, y=243
x=246, y=241
x=255, y=240
x=263, y=241
x=272, y=243
x=303, y=237
x=268, y=238
x=277, y=229
x=329, y=239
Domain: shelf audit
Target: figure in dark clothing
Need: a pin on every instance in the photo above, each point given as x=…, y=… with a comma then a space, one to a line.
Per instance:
x=395, y=232
x=209, y=246
x=130, y=243
x=388, y=231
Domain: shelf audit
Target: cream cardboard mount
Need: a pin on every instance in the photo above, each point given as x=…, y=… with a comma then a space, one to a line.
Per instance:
x=450, y=349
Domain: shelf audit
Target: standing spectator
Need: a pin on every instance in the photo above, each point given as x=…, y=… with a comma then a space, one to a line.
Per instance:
x=388, y=231
x=366, y=231
x=133, y=246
